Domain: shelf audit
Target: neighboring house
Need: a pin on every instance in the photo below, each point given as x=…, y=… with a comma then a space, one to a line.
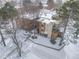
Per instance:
x=29, y=9
x=57, y=1
x=50, y=4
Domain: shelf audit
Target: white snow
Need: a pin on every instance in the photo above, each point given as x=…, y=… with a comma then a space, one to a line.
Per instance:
x=72, y=51
x=33, y=51
x=46, y=13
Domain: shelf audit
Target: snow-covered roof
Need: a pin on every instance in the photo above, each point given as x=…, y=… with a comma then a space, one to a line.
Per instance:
x=28, y=15
x=47, y=13
x=47, y=21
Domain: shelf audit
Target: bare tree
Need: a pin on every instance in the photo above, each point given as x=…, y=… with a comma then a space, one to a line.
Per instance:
x=9, y=12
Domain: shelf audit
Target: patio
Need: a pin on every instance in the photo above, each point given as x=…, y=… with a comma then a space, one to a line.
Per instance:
x=44, y=41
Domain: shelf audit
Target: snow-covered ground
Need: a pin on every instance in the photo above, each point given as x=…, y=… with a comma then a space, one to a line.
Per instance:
x=33, y=51
x=72, y=51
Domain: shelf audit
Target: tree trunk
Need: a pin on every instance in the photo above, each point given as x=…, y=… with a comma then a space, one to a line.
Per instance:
x=17, y=44
x=15, y=39
x=66, y=23
x=2, y=36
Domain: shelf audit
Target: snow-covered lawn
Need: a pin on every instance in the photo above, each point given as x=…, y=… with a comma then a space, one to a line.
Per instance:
x=33, y=51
